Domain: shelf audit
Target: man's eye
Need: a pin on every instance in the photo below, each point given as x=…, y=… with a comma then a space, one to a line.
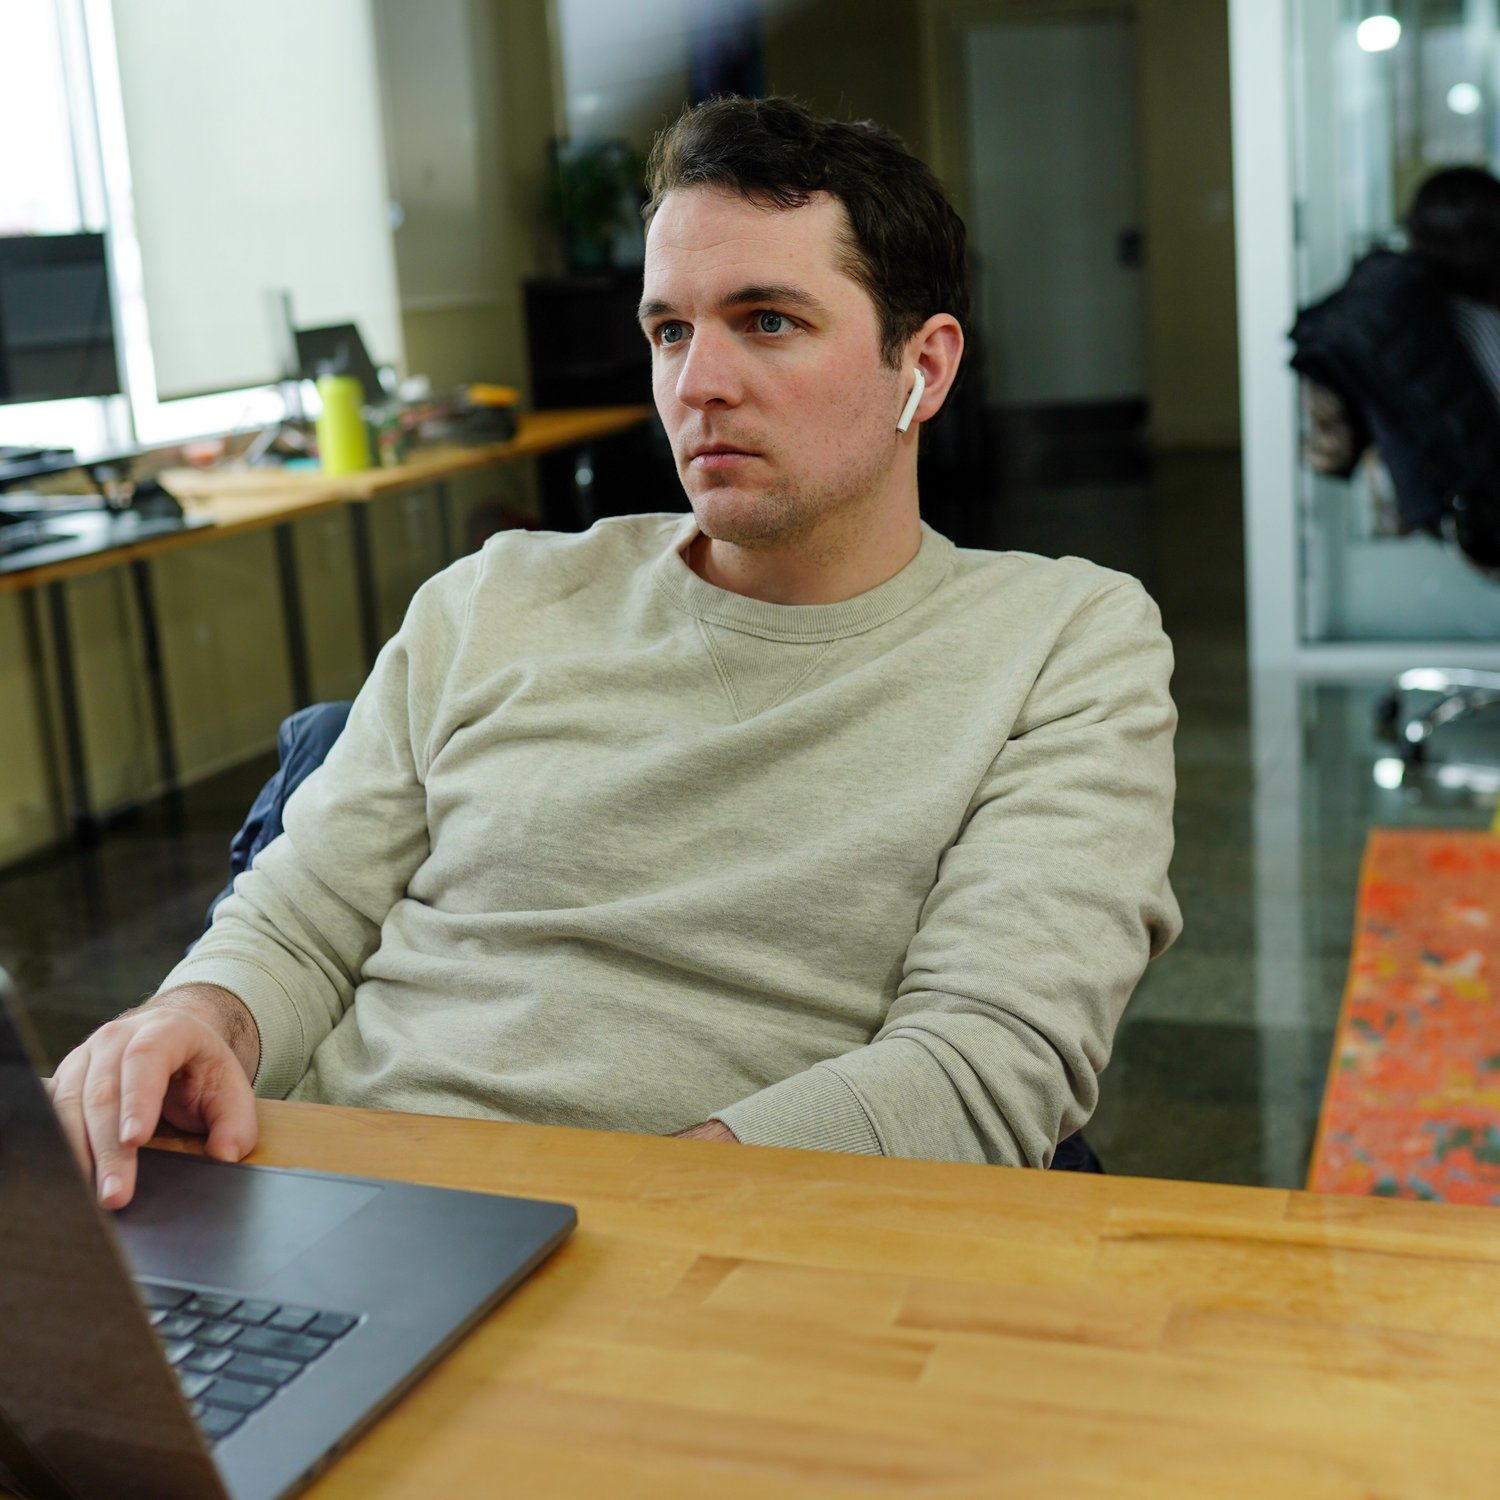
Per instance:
x=771, y=322
x=671, y=333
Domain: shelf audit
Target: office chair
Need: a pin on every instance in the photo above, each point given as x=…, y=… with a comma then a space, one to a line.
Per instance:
x=302, y=742
x=1454, y=693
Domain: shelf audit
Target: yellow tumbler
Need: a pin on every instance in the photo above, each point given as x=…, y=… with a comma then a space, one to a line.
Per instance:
x=343, y=438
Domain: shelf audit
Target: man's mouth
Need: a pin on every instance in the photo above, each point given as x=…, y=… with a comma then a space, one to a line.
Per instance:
x=712, y=456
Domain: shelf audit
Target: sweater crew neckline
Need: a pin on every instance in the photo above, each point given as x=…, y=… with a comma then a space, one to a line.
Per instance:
x=802, y=622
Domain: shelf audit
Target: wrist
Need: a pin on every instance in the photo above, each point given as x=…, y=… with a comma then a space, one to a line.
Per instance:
x=709, y=1130
x=223, y=1012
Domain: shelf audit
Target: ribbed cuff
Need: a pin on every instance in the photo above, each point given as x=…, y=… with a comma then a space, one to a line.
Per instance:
x=814, y=1110
x=283, y=1043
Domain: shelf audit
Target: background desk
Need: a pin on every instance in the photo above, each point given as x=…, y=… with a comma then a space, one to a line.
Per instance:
x=731, y=1322
x=239, y=500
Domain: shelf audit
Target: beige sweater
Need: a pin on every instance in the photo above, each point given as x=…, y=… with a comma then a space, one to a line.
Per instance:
x=604, y=845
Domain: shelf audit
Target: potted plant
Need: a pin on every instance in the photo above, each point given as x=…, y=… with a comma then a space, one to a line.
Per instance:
x=597, y=184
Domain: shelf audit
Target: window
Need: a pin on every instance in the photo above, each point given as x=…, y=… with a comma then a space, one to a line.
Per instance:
x=279, y=186
x=39, y=187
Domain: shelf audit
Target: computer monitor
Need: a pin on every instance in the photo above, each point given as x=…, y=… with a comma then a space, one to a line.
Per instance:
x=57, y=328
x=338, y=350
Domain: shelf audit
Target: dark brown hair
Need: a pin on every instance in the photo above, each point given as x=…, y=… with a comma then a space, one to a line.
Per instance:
x=906, y=243
x=1454, y=225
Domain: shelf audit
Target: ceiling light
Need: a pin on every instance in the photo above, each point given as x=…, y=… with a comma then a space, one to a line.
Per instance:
x=1378, y=34
x=1465, y=99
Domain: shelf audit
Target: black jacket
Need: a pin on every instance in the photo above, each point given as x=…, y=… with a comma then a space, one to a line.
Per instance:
x=1385, y=343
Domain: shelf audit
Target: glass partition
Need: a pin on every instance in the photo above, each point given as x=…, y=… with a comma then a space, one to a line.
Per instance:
x=1385, y=92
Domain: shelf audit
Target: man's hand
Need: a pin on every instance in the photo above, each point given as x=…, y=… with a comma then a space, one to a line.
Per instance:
x=187, y=1057
x=709, y=1130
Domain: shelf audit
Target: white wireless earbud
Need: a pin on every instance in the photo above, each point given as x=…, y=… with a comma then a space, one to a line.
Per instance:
x=913, y=401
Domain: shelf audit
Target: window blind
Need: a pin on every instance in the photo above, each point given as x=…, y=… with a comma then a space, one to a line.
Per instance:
x=257, y=166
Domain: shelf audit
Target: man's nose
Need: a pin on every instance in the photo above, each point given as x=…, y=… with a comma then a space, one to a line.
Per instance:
x=709, y=372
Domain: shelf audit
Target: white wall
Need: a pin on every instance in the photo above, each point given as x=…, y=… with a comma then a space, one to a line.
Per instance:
x=625, y=66
x=441, y=140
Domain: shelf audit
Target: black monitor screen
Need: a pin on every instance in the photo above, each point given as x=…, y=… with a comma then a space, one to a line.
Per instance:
x=338, y=350
x=57, y=331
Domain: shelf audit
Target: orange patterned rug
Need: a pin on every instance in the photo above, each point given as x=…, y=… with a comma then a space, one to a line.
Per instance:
x=1412, y=1104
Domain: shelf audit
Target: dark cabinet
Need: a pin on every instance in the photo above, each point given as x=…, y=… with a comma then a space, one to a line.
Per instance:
x=586, y=349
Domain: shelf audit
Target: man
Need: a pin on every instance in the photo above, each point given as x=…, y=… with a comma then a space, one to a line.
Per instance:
x=789, y=823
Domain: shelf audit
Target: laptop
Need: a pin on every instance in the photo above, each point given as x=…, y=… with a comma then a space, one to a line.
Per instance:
x=339, y=350
x=233, y=1328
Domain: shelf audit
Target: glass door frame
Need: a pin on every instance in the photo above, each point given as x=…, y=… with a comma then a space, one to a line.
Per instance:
x=1263, y=60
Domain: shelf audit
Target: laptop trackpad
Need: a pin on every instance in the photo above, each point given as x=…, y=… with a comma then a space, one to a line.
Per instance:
x=221, y=1225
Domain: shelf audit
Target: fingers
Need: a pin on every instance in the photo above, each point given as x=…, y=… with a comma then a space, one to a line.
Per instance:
x=85, y=1095
x=229, y=1113
x=66, y=1088
x=110, y=1094
x=212, y=1096
x=175, y=1066
x=114, y=1164
x=154, y=1053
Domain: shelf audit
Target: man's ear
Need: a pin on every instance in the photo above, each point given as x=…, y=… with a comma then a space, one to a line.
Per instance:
x=935, y=349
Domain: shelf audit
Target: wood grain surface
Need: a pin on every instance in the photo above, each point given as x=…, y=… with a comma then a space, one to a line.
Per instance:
x=732, y=1321
x=239, y=500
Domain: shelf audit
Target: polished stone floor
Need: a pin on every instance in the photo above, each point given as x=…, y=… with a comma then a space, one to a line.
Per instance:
x=1219, y=1065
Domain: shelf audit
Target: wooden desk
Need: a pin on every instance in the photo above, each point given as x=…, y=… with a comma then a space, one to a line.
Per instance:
x=248, y=499
x=735, y=1322
x=241, y=500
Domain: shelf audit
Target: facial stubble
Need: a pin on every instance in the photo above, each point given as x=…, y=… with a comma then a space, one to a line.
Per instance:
x=787, y=514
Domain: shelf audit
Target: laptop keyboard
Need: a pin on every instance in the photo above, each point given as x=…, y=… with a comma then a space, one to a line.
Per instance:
x=232, y=1355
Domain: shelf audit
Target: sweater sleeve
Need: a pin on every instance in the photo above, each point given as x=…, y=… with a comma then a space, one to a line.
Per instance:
x=291, y=940
x=1043, y=915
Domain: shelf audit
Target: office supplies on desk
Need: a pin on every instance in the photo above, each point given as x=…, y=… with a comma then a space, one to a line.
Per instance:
x=343, y=438
x=26, y=506
x=472, y=415
x=99, y=464
x=65, y=526
x=41, y=538
x=225, y=503
x=290, y=1308
x=11, y=454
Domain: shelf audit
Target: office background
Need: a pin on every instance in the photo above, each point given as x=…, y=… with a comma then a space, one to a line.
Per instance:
x=1099, y=155
x=458, y=106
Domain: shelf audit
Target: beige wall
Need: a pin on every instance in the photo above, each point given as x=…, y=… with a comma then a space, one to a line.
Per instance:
x=1192, y=359
x=30, y=756
x=851, y=59
x=516, y=103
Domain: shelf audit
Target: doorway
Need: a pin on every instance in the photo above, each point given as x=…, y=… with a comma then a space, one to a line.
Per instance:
x=1056, y=210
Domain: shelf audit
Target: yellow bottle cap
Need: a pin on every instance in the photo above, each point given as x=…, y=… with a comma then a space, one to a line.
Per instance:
x=493, y=395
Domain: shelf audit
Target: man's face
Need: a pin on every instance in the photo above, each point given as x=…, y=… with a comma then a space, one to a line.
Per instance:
x=767, y=367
